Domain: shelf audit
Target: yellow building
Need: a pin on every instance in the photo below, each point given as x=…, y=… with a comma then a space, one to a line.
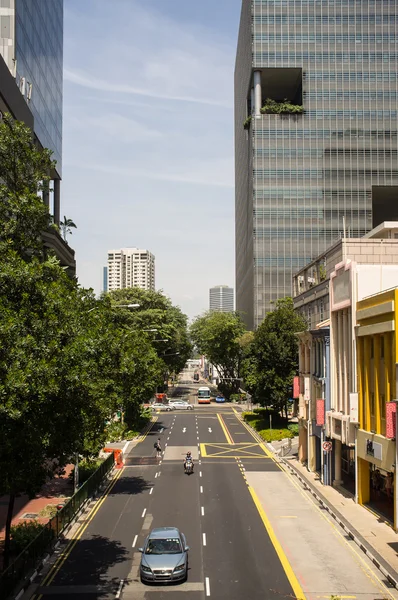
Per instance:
x=377, y=360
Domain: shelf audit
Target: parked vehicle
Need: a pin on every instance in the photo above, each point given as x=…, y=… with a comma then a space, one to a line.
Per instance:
x=164, y=556
x=161, y=406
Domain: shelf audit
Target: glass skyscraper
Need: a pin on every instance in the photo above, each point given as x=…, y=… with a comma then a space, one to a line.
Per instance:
x=298, y=175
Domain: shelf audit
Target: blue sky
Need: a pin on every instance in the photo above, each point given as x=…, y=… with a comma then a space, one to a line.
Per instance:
x=148, y=139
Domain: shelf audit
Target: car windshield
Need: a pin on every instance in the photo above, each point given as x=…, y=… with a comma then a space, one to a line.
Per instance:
x=163, y=546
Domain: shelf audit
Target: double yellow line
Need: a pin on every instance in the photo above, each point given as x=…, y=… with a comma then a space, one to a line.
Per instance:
x=225, y=429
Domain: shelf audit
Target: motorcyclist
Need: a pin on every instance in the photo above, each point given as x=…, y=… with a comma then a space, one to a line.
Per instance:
x=188, y=458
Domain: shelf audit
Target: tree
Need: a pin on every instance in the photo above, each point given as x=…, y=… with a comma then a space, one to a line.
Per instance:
x=158, y=321
x=219, y=336
x=66, y=227
x=24, y=174
x=272, y=358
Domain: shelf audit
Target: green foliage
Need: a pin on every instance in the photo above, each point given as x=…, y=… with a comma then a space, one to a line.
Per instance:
x=115, y=431
x=48, y=511
x=272, y=107
x=66, y=227
x=236, y=397
x=246, y=122
x=86, y=468
x=275, y=435
x=272, y=360
x=218, y=336
x=294, y=428
x=24, y=172
x=322, y=272
x=24, y=533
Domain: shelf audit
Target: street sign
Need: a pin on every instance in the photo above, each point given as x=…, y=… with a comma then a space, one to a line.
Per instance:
x=327, y=446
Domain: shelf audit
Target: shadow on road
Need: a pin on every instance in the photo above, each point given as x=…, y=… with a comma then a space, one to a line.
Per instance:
x=90, y=561
x=132, y=485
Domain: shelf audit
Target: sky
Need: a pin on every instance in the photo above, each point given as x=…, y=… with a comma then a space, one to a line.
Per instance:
x=148, y=139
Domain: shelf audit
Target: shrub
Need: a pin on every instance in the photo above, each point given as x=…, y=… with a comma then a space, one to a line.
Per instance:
x=24, y=533
x=275, y=435
x=130, y=435
x=294, y=428
x=115, y=431
x=86, y=468
x=246, y=122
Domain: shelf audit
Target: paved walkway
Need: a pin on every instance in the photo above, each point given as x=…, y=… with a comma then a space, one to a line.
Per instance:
x=371, y=532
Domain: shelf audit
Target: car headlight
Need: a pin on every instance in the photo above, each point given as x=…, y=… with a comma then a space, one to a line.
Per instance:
x=179, y=568
x=146, y=569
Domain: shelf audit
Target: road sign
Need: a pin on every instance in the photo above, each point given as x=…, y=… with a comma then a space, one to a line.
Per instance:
x=327, y=446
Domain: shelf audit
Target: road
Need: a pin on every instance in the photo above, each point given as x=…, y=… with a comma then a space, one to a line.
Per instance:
x=252, y=532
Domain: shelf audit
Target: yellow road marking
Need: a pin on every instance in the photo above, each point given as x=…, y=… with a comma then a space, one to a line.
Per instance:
x=203, y=450
x=225, y=429
x=62, y=558
x=298, y=592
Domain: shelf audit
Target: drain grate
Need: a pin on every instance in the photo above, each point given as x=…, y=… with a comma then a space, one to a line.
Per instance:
x=130, y=461
x=29, y=516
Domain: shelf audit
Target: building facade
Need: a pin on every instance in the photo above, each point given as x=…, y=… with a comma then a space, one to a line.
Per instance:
x=327, y=291
x=130, y=267
x=31, y=80
x=331, y=151
x=377, y=347
x=221, y=298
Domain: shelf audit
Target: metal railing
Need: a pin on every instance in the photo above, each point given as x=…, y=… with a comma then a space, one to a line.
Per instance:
x=27, y=560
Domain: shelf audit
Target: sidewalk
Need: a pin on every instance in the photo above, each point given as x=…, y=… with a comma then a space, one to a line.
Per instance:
x=369, y=531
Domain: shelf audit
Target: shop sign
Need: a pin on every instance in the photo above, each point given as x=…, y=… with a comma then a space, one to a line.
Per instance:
x=374, y=449
x=320, y=411
x=391, y=413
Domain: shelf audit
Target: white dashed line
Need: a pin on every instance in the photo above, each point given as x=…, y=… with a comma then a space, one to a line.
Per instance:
x=207, y=581
x=150, y=491
x=134, y=541
x=143, y=513
x=156, y=475
x=204, y=539
x=120, y=588
x=202, y=510
x=201, y=489
x=200, y=473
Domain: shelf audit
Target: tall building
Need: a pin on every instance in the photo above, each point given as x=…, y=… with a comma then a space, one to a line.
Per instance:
x=130, y=267
x=31, y=79
x=221, y=298
x=299, y=173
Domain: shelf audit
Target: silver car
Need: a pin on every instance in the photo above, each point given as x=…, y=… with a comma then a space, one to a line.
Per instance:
x=180, y=405
x=164, y=556
x=160, y=406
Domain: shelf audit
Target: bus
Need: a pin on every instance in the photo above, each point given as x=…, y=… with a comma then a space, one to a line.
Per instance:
x=204, y=395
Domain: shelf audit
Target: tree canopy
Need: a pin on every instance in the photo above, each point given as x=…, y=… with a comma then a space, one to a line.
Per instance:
x=272, y=358
x=220, y=337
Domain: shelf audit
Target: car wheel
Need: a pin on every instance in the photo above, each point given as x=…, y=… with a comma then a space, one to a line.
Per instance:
x=168, y=409
x=190, y=408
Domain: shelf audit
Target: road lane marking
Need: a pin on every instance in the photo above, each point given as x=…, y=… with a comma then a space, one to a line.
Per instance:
x=225, y=429
x=200, y=473
x=204, y=539
x=119, y=591
x=134, y=541
x=207, y=583
x=143, y=513
x=297, y=589
x=202, y=510
x=64, y=555
x=150, y=491
x=201, y=489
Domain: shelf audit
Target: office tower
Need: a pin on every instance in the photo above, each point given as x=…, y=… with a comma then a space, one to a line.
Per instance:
x=130, y=267
x=221, y=298
x=327, y=153
x=31, y=79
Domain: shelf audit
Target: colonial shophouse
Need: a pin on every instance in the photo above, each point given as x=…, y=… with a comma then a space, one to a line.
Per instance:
x=326, y=292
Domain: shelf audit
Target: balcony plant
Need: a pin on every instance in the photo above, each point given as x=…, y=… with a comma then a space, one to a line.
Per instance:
x=272, y=107
x=246, y=122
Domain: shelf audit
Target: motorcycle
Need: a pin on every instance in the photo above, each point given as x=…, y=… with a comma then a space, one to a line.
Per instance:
x=188, y=467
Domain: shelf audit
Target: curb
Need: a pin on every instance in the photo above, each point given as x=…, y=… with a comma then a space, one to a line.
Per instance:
x=41, y=564
x=389, y=573
x=372, y=555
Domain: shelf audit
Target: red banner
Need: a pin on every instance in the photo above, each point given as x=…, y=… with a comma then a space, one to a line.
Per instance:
x=296, y=387
x=391, y=409
x=320, y=412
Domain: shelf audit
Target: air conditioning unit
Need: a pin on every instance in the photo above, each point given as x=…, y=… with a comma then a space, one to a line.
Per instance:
x=29, y=92
x=22, y=85
x=311, y=279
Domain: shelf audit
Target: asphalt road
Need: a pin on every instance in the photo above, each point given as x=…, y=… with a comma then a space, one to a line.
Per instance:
x=231, y=555
x=252, y=534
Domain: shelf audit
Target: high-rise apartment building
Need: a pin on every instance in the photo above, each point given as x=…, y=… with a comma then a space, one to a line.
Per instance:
x=31, y=79
x=130, y=267
x=221, y=298
x=332, y=149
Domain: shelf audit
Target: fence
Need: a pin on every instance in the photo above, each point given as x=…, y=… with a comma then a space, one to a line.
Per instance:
x=27, y=560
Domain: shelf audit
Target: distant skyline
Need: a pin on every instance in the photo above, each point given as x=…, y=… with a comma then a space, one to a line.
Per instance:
x=148, y=139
